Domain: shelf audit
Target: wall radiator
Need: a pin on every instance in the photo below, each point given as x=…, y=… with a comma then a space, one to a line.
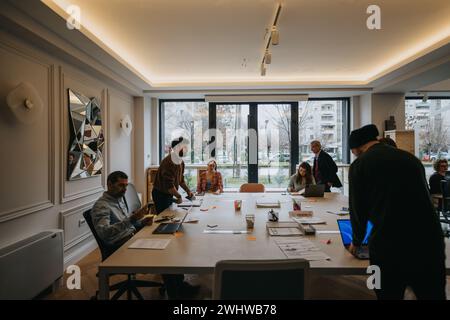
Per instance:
x=31, y=265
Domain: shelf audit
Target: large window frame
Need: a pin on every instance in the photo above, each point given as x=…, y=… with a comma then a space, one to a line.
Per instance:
x=253, y=124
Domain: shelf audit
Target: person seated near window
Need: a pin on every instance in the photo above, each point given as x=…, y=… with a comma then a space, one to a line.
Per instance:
x=302, y=178
x=440, y=167
x=210, y=180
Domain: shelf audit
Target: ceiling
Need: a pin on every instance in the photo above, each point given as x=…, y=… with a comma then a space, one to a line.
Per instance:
x=179, y=43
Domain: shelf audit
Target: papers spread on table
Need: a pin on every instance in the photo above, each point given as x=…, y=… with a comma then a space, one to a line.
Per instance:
x=268, y=203
x=156, y=244
x=300, y=248
x=283, y=228
x=309, y=220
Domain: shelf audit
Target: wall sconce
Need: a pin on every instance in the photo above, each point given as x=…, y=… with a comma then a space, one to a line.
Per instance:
x=126, y=125
x=25, y=103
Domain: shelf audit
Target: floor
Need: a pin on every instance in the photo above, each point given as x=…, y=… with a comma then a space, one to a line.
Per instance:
x=336, y=287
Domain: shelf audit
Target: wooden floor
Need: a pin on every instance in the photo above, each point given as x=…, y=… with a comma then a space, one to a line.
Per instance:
x=330, y=287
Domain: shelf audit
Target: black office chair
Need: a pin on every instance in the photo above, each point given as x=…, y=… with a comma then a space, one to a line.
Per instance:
x=261, y=279
x=131, y=284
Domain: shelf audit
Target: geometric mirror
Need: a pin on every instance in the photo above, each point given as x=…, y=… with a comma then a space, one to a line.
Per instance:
x=85, y=156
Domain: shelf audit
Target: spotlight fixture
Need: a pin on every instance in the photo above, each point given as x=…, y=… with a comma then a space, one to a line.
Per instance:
x=425, y=97
x=268, y=57
x=275, y=36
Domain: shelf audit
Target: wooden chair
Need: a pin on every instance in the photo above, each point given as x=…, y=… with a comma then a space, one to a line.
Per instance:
x=261, y=279
x=252, y=187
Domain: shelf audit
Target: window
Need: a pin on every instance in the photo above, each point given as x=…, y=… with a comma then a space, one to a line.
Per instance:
x=254, y=142
x=431, y=121
x=326, y=126
x=187, y=119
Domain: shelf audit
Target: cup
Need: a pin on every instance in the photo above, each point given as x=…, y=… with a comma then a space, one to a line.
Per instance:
x=250, y=220
x=237, y=205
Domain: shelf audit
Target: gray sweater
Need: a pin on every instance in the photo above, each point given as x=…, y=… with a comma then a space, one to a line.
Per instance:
x=298, y=186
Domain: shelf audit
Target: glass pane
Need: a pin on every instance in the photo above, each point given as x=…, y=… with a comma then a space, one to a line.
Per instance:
x=188, y=120
x=320, y=120
x=231, y=143
x=274, y=141
x=431, y=121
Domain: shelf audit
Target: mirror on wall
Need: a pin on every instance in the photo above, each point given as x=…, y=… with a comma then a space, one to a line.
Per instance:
x=85, y=156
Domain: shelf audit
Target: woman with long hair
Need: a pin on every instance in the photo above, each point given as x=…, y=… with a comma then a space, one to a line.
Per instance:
x=210, y=180
x=302, y=178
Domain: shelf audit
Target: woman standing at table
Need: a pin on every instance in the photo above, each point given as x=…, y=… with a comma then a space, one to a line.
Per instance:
x=210, y=180
x=302, y=178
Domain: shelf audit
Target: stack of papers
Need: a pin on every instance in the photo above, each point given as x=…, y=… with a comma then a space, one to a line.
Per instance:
x=267, y=203
x=188, y=203
x=158, y=244
x=309, y=220
x=300, y=248
x=283, y=228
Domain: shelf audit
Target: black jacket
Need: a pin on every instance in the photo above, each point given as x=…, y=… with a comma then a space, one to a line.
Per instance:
x=388, y=187
x=327, y=169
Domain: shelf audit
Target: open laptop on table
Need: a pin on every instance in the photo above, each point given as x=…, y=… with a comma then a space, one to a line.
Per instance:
x=345, y=228
x=314, y=190
x=170, y=228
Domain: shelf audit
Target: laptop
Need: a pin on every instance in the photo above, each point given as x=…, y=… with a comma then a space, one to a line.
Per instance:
x=345, y=229
x=170, y=228
x=314, y=190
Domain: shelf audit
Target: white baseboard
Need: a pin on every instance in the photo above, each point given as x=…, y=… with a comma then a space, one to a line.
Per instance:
x=80, y=253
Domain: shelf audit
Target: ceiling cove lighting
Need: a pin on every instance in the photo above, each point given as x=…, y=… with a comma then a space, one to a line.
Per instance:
x=274, y=39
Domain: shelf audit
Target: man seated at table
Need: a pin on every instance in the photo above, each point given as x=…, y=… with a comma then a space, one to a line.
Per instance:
x=115, y=227
x=113, y=223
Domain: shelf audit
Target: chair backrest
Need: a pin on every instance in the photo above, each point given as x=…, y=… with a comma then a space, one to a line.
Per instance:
x=105, y=250
x=132, y=198
x=252, y=187
x=261, y=279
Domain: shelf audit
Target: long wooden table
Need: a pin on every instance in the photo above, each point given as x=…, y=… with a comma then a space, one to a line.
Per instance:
x=195, y=252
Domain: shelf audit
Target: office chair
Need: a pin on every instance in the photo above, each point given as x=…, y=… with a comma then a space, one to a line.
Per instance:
x=131, y=284
x=261, y=279
x=252, y=187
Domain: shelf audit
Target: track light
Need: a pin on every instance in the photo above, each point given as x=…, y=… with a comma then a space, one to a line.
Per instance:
x=425, y=97
x=263, y=69
x=275, y=36
x=268, y=57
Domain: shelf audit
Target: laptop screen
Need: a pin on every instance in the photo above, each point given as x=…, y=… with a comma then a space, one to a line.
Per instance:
x=345, y=228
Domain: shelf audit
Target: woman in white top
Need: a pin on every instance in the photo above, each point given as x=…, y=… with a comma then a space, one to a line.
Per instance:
x=302, y=178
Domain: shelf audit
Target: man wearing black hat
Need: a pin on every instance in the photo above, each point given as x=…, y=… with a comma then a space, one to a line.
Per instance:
x=388, y=187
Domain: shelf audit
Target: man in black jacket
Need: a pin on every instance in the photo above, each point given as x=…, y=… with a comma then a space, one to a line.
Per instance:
x=324, y=168
x=388, y=187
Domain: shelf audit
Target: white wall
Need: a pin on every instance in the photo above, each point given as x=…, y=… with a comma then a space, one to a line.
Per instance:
x=34, y=193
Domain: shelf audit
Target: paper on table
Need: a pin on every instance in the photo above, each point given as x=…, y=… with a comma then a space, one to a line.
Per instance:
x=226, y=231
x=188, y=203
x=300, y=248
x=327, y=232
x=157, y=244
x=312, y=220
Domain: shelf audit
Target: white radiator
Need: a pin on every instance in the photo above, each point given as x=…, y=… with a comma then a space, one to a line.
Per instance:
x=31, y=265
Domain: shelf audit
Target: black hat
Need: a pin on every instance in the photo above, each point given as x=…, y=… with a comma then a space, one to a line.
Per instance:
x=362, y=135
x=176, y=142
